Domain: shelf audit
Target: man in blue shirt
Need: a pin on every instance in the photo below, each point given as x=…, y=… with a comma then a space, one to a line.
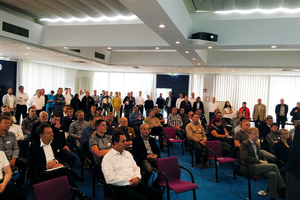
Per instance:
x=136, y=119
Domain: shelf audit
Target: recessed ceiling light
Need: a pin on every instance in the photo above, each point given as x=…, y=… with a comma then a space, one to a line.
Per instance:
x=193, y=58
x=187, y=52
x=26, y=54
x=65, y=47
x=109, y=48
x=199, y=63
x=162, y=26
x=273, y=47
x=156, y=47
x=177, y=42
x=232, y=70
x=27, y=47
x=210, y=47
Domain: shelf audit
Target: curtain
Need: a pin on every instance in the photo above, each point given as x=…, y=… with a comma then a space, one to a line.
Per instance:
x=196, y=85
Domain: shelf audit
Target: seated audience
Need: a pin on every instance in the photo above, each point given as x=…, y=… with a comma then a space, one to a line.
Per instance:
x=136, y=119
x=5, y=109
x=155, y=127
x=202, y=119
x=245, y=111
x=128, y=132
x=236, y=115
x=236, y=122
x=282, y=147
x=218, y=115
x=65, y=111
x=264, y=127
x=87, y=133
x=258, y=165
x=28, y=122
x=184, y=118
x=121, y=171
x=146, y=151
x=16, y=129
x=292, y=131
x=110, y=124
x=195, y=132
x=99, y=112
x=67, y=120
x=158, y=115
x=242, y=135
x=91, y=113
x=214, y=115
x=100, y=144
x=174, y=120
x=219, y=132
x=43, y=118
x=7, y=191
x=273, y=138
x=76, y=128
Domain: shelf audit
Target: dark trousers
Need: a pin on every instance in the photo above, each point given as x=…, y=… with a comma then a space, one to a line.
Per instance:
x=256, y=123
x=38, y=112
x=121, y=111
x=140, y=192
x=49, y=112
x=141, y=109
x=281, y=120
x=127, y=112
x=169, y=110
x=146, y=166
x=200, y=151
x=210, y=115
x=21, y=163
x=157, y=131
x=21, y=110
x=12, y=192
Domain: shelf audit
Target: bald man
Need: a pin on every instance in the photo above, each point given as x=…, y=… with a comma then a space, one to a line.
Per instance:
x=259, y=112
x=281, y=111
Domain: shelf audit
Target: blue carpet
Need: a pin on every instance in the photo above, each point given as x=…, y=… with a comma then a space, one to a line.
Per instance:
x=208, y=189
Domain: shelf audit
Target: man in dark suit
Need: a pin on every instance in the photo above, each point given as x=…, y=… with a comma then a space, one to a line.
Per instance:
x=198, y=104
x=146, y=151
x=250, y=154
x=186, y=104
x=295, y=113
x=48, y=150
x=281, y=111
x=127, y=131
x=170, y=103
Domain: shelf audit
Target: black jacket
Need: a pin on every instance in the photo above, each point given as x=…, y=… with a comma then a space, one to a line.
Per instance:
x=200, y=107
x=173, y=102
x=36, y=157
x=91, y=102
x=187, y=107
x=277, y=110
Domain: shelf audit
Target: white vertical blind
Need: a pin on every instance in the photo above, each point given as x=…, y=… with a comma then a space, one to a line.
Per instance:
x=196, y=85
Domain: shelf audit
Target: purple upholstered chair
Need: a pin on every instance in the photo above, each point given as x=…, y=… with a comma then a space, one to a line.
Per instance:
x=52, y=189
x=170, y=137
x=215, y=153
x=169, y=176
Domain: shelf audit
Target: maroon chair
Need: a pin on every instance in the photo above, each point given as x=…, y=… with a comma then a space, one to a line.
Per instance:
x=51, y=189
x=170, y=137
x=169, y=176
x=215, y=153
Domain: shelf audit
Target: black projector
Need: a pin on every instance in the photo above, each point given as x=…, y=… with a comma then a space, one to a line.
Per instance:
x=205, y=36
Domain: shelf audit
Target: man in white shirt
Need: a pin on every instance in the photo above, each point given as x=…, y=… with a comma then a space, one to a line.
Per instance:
x=37, y=101
x=22, y=98
x=80, y=94
x=179, y=100
x=192, y=99
x=212, y=106
x=139, y=100
x=67, y=96
x=96, y=98
x=120, y=170
x=9, y=100
x=16, y=129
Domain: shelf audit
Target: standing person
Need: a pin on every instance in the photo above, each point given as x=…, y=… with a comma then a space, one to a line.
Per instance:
x=9, y=100
x=212, y=106
x=295, y=113
x=149, y=105
x=160, y=101
x=281, y=111
x=128, y=102
x=96, y=98
x=67, y=96
x=70, y=92
x=106, y=102
x=121, y=110
x=259, y=112
x=101, y=96
x=179, y=100
x=45, y=98
x=186, y=104
x=192, y=99
x=245, y=111
x=198, y=104
x=228, y=110
x=81, y=95
x=116, y=104
x=140, y=102
x=22, y=98
x=59, y=102
x=133, y=98
x=37, y=101
x=170, y=103
x=49, y=104
x=75, y=103
x=87, y=102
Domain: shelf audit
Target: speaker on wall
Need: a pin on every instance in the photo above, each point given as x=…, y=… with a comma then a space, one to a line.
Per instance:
x=205, y=36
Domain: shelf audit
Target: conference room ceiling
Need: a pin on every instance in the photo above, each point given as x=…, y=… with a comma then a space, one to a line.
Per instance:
x=139, y=45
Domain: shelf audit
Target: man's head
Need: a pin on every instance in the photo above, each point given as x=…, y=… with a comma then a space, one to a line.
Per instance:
x=99, y=111
x=186, y=98
x=128, y=94
x=117, y=94
x=253, y=134
x=281, y=101
x=79, y=114
x=198, y=99
x=42, y=91
x=193, y=95
x=118, y=141
x=216, y=111
x=140, y=93
x=66, y=90
x=244, y=104
x=124, y=122
x=152, y=113
x=32, y=112
x=80, y=91
x=95, y=92
x=9, y=91
x=199, y=112
x=174, y=111
x=110, y=117
x=283, y=133
x=111, y=93
x=84, y=90
x=100, y=127
x=5, y=123
x=170, y=94
x=87, y=94
x=38, y=93
x=217, y=121
x=45, y=132
x=93, y=109
x=43, y=116
x=103, y=92
x=245, y=124
x=274, y=128
x=156, y=108
x=148, y=97
x=181, y=96
x=6, y=114
x=194, y=118
x=214, y=99
x=135, y=110
x=92, y=120
x=269, y=120
x=131, y=93
x=241, y=115
x=298, y=105
x=4, y=108
x=51, y=92
x=144, y=130
x=259, y=101
x=181, y=111
x=160, y=94
x=21, y=88
x=190, y=114
x=55, y=119
x=70, y=112
x=219, y=115
x=59, y=91
x=69, y=90
x=65, y=108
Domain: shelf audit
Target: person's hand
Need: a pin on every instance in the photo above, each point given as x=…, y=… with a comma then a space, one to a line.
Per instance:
x=128, y=143
x=57, y=125
x=154, y=157
x=57, y=165
x=51, y=164
x=149, y=157
x=2, y=188
x=66, y=148
x=79, y=136
x=264, y=162
x=139, y=118
x=12, y=162
x=203, y=143
x=134, y=182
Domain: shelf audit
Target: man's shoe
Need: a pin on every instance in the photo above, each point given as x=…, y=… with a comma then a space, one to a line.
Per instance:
x=206, y=165
x=199, y=165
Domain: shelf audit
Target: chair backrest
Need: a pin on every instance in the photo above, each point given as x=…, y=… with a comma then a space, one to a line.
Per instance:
x=57, y=188
x=216, y=147
x=170, y=131
x=170, y=167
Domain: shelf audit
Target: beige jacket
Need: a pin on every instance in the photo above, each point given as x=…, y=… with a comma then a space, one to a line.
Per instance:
x=195, y=132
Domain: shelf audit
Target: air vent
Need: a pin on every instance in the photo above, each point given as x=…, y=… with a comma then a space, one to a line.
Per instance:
x=100, y=55
x=290, y=70
x=76, y=50
x=79, y=62
x=136, y=67
x=15, y=29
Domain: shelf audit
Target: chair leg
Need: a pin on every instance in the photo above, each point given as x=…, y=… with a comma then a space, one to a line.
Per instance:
x=234, y=177
x=94, y=186
x=168, y=148
x=192, y=152
x=216, y=170
x=249, y=188
x=194, y=194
